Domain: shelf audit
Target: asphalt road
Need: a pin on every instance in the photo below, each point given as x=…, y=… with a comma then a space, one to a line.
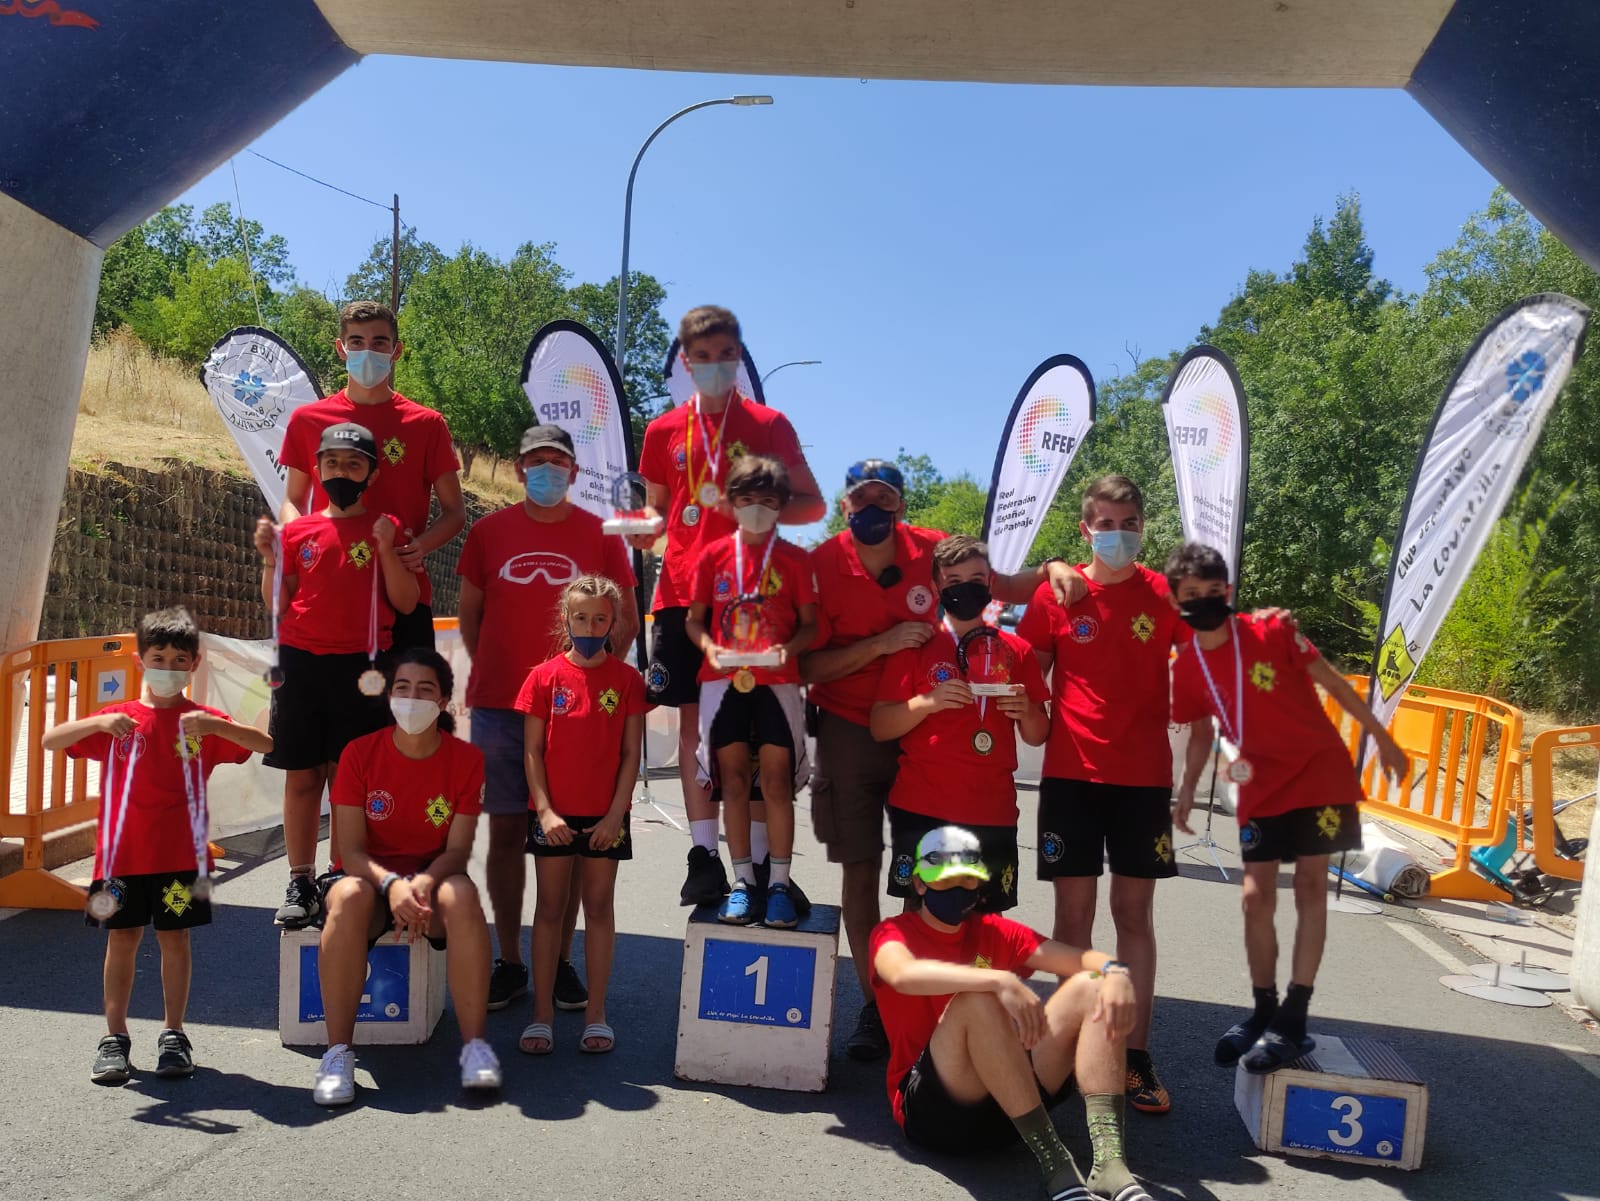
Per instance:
x=1515, y=1094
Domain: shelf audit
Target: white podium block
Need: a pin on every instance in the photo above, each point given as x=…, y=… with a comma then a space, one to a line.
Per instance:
x=1351, y=1099
x=756, y=1005
x=401, y=1003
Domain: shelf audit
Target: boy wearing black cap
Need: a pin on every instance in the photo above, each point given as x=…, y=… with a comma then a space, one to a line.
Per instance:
x=977, y=1060
x=334, y=581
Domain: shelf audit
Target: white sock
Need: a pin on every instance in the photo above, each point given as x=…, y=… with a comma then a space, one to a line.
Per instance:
x=780, y=871
x=759, y=849
x=745, y=871
x=704, y=833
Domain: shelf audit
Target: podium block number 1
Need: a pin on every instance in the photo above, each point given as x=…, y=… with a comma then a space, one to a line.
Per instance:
x=762, y=985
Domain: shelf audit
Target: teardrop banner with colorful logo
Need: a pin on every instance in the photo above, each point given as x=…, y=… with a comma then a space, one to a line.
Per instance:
x=1049, y=421
x=571, y=381
x=256, y=380
x=1209, y=432
x=680, y=386
x=1482, y=433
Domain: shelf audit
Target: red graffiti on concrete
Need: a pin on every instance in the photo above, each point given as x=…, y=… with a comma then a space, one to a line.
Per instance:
x=47, y=8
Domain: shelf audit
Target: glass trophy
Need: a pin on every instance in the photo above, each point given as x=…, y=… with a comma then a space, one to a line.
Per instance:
x=987, y=663
x=747, y=636
x=629, y=502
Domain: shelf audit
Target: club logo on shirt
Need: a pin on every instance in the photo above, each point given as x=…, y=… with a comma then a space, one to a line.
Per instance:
x=902, y=870
x=919, y=598
x=546, y=565
x=379, y=805
x=361, y=553
x=1264, y=676
x=1052, y=846
x=1249, y=835
x=722, y=587
x=609, y=700
x=773, y=583
x=982, y=961
x=736, y=451
x=1144, y=627
x=394, y=450
x=176, y=898
x=1164, y=848
x=128, y=743
x=310, y=552
x=658, y=677
x=439, y=810
x=1328, y=822
x=1008, y=880
x=940, y=672
x=561, y=700
x=186, y=744
x=1084, y=628
x=680, y=456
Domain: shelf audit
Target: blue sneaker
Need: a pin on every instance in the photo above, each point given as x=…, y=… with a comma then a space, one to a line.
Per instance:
x=738, y=908
x=781, y=913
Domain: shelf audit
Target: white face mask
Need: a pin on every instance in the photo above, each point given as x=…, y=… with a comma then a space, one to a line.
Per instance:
x=756, y=519
x=412, y=714
x=165, y=683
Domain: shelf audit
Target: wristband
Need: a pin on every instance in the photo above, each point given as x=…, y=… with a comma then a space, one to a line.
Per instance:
x=387, y=883
x=1109, y=964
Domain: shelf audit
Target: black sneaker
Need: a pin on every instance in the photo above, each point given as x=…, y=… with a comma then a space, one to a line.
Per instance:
x=177, y=1058
x=111, y=1064
x=507, y=982
x=301, y=905
x=571, y=993
x=707, y=880
x=763, y=870
x=868, y=1041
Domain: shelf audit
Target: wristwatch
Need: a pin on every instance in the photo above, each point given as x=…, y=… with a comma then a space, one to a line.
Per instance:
x=388, y=882
x=1115, y=963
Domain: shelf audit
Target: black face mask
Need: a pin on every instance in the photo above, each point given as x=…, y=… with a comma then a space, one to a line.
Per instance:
x=950, y=905
x=1205, y=612
x=343, y=492
x=965, y=600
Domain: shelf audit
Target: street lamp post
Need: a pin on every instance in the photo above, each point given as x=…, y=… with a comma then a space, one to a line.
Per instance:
x=791, y=363
x=627, y=210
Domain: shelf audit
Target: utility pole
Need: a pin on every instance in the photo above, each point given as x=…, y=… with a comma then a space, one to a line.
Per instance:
x=394, y=263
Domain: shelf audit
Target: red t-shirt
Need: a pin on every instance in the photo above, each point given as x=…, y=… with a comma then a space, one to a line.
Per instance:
x=984, y=940
x=155, y=828
x=521, y=566
x=941, y=775
x=785, y=586
x=851, y=606
x=409, y=803
x=1109, y=679
x=334, y=562
x=1294, y=750
x=585, y=711
x=751, y=429
x=413, y=450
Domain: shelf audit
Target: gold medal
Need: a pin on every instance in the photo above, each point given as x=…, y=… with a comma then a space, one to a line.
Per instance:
x=744, y=679
x=370, y=682
x=1240, y=771
x=983, y=742
x=709, y=494
x=690, y=515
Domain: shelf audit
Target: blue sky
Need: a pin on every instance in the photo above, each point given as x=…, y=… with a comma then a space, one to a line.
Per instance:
x=930, y=243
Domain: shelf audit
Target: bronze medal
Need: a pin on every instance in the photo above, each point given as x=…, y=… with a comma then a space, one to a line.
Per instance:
x=744, y=679
x=983, y=742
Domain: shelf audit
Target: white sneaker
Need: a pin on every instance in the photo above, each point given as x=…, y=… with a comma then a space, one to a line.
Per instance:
x=479, y=1067
x=336, y=1077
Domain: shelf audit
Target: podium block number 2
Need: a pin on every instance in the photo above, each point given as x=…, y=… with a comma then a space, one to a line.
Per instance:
x=755, y=983
x=1372, y=1127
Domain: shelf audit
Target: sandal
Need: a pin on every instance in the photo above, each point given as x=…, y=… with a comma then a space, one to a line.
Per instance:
x=1241, y=1036
x=533, y=1032
x=599, y=1032
x=1272, y=1050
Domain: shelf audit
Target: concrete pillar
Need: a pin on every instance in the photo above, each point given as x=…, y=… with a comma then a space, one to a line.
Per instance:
x=47, y=291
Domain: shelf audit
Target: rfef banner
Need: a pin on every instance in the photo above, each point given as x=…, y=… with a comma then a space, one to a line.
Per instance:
x=256, y=380
x=1209, y=432
x=1481, y=436
x=1049, y=421
x=681, y=387
x=571, y=380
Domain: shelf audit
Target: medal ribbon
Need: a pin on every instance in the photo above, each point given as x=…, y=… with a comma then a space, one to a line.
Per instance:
x=194, y=791
x=372, y=615
x=713, y=447
x=738, y=565
x=1235, y=733
x=277, y=585
x=949, y=628
x=112, y=836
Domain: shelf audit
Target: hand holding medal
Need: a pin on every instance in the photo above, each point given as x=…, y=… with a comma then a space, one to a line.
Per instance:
x=630, y=503
x=987, y=665
x=105, y=903
x=269, y=537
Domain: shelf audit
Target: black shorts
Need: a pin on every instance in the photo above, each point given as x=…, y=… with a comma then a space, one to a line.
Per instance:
x=754, y=718
x=414, y=629
x=938, y=1122
x=1284, y=837
x=672, y=677
x=619, y=850
x=160, y=899
x=320, y=709
x=999, y=845
x=1082, y=824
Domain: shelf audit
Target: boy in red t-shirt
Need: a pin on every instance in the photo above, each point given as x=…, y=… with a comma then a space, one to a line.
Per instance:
x=976, y=1059
x=1257, y=676
x=158, y=752
x=585, y=719
x=958, y=749
x=342, y=582
x=754, y=594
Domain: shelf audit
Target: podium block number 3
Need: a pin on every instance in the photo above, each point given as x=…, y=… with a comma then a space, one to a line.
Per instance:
x=1348, y=1132
x=1370, y=1126
x=762, y=985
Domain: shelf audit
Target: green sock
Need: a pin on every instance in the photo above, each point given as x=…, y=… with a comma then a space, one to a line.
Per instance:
x=1108, y=1175
x=1055, y=1161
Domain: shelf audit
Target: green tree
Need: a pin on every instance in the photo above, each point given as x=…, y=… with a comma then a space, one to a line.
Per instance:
x=309, y=322
x=140, y=265
x=648, y=338
x=372, y=280
x=220, y=234
x=207, y=300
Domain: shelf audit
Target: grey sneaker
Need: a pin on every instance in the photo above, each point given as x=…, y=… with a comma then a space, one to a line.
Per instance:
x=177, y=1055
x=111, y=1064
x=301, y=904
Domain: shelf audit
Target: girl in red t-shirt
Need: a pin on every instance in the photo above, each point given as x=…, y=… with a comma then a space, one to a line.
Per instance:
x=585, y=714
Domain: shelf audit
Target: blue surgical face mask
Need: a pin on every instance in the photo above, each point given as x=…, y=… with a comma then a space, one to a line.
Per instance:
x=547, y=484
x=1116, y=548
x=587, y=645
x=713, y=379
x=871, y=525
x=951, y=905
x=369, y=368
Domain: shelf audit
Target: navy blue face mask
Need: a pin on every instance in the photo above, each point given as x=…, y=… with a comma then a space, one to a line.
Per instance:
x=871, y=525
x=588, y=645
x=950, y=905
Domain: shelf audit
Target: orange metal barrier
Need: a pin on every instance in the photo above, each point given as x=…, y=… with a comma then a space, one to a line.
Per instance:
x=104, y=670
x=1446, y=735
x=1540, y=757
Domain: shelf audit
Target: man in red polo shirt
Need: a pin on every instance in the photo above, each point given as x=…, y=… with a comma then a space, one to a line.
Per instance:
x=875, y=596
x=414, y=451
x=686, y=457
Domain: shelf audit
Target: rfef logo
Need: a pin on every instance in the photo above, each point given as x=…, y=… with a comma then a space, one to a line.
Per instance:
x=1040, y=442
x=583, y=406
x=1207, y=430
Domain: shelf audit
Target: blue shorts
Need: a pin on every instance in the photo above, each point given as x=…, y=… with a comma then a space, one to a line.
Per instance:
x=498, y=734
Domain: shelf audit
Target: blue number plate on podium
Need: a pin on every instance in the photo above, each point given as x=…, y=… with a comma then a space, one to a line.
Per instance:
x=386, y=997
x=757, y=983
x=1371, y=1127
